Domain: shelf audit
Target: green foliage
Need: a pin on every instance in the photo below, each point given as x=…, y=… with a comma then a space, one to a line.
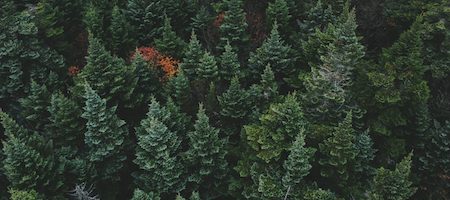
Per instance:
x=208, y=69
x=319, y=194
x=229, y=63
x=104, y=137
x=275, y=52
x=318, y=17
x=192, y=56
x=141, y=195
x=234, y=101
x=179, y=90
x=234, y=25
x=34, y=106
x=170, y=43
x=206, y=154
x=23, y=195
x=147, y=84
x=276, y=129
x=93, y=20
x=297, y=165
x=107, y=74
x=393, y=184
x=156, y=155
x=278, y=12
x=121, y=40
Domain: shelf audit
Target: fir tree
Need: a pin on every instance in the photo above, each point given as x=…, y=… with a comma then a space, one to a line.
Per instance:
x=339, y=151
x=179, y=90
x=393, y=184
x=147, y=84
x=192, y=56
x=104, y=140
x=208, y=69
x=206, y=154
x=170, y=43
x=297, y=164
x=121, y=40
x=229, y=63
x=34, y=106
x=156, y=156
x=366, y=154
x=29, y=160
x=107, y=74
x=318, y=17
x=278, y=13
x=93, y=21
x=275, y=52
x=268, y=87
x=233, y=28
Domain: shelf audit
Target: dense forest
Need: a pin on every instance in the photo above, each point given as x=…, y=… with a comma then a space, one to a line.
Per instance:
x=225, y=99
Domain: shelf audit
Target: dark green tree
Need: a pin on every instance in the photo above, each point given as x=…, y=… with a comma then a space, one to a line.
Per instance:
x=34, y=106
x=318, y=17
x=393, y=184
x=104, y=140
x=121, y=39
x=278, y=12
x=234, y=25
x=24, y=195
x=141, y=195
x=156, y=155
x=169, y=43
x=179, y=89
x=148, y=83
x=206, y=155
x=93, y=20
x=229, y=64
x=191, y=60
x=208, y=69
x=297, y=165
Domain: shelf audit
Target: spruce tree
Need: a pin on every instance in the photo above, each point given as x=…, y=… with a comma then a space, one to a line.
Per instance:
x=208, y=69
x=206, y=154
x=229, y=64
x=366, y=154
x=179, y=89
x=339, y=151
x=275, y=52
x=278, y=12
x=34, y=106
x=393, y=184
x=318, y=17
x=156, y=155
x=267, y=88
x=148, y=83
x=93, y=20
x=297, y=165
x=192, y=56
x=104, y=140
x=121, y=39
x=234, y=25
x=111, y=78
x=29, y=161
x=169, y=43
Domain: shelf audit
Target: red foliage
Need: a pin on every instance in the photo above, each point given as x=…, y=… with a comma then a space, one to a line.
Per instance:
x=168, y=64
x=73, y=70
x=219, y=19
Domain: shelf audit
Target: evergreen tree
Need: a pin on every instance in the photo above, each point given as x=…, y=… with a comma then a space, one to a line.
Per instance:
x=192, y=56
x=121, y=40
x=278, y=12
x=275, y=52
x=93, y=20
x=211, y=102
x=318, y=17
x=24, y=195
x=34, y=106
x=104, y=140
x=297, y=164
x=276, y=129
x=107, y=74
x=169, y=43
x=319, y=194
x=156, y=156
x=141, y=195
x=147, y=84
x=366, y=154
x=267, y=88
x=179, y=90
x=195, y=196
x=339, y=151
x=393, y=184
x=229, y=64
x=206, y=154
x=234, y=25
x=208, y=69
x=29, y=160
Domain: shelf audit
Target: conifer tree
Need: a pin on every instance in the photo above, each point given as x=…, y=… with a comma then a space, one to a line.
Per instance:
x=104, y=140
x=29, y=160
x=121, y=39
x=179, y=89
x=229, y=63
x=93, y=21
x=276, y=129
x=211, y=102
x=297, y=164
x=208, y=69
x=268, y=86
x=366, y=154
x=275, y=52
x=141, y=195
x=34, y=106
x=393, y=184
x=278, y=12
x=147, y=84
x=169, y=43
x=24, y=195
x=206, y=154
x=192, y=56
x=234, y=25
x=339, y=151
x=107, y=74
x=319, y=194
x=318, y=17
x=156, y=155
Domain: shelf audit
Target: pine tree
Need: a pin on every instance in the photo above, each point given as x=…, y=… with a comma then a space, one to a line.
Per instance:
x=233, y=28
x=268, y=87
x=206, y=154
x=208, y=69
x=234, y=104
x=34, y=106
x=156, y=155
x=297, y=164
x=104, y=140
x=93, y=21
x=179, y=89
x=107, y=74
x=366, y=154
x=211, y=102
x=278, y=13
x=318, y=17
x=192, y=56
x=229, y=64
x=276, y=129
x=275, y=52
x=169, y=43
x=147, y=84
x=141, y=195
x=121, y=40
x=339, y=151
x=393, y=184
x=29, y=160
